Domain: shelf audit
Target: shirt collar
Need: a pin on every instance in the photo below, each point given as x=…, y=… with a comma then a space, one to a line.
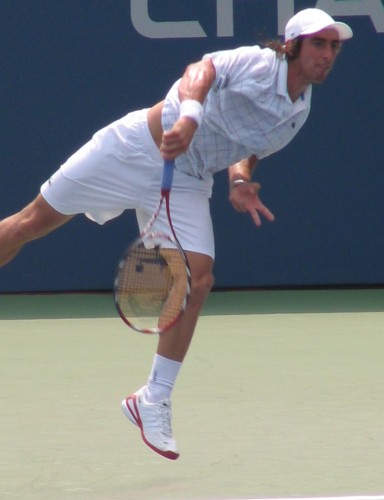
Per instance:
x=282, y=90
x=282, y=76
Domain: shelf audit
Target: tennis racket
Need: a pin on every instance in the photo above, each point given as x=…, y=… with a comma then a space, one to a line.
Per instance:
x=153, y=279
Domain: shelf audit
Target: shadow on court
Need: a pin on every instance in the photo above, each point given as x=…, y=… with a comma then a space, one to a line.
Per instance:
x=281, y=395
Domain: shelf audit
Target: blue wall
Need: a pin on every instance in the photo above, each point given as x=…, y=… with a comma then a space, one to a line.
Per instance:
x=70, y=67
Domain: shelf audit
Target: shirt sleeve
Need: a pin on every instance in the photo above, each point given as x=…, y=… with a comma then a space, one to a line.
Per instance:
x=233, y=66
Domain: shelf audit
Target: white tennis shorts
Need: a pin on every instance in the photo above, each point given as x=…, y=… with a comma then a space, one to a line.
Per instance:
x=121, y=168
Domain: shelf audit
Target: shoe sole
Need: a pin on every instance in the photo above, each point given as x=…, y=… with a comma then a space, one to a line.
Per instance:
x=131, y=411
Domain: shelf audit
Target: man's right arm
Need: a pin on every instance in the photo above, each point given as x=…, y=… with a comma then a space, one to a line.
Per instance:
x=193, y=89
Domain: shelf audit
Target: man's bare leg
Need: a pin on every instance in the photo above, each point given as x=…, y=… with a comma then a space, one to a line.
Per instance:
x=150, y=408
x=174, y=343
x=34, y=221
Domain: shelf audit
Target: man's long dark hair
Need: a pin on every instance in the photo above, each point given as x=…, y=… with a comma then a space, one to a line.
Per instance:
x=282, y=50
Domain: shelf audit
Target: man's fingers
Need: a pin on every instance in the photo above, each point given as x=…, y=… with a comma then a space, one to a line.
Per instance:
x=255, y=216
x=177, y=140
x=267, y=213
x=263, y=210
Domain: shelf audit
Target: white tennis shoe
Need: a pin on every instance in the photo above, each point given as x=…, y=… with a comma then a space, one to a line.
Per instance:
x=154, y=421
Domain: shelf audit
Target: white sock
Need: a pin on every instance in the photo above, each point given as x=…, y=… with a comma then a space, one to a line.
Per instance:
x=161, y=379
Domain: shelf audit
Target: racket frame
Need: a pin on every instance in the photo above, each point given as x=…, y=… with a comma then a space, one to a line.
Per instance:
x=166, y=185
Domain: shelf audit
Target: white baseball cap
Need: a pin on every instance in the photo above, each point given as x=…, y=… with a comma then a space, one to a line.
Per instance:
x=310, y=21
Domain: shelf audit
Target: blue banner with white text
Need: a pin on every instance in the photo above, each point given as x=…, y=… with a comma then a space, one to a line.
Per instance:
x=70, y=67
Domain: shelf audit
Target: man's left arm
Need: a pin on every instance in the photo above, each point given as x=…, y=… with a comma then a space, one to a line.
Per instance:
x=243, y=193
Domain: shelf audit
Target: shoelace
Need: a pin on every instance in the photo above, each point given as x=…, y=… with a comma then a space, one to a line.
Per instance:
x=165, y=418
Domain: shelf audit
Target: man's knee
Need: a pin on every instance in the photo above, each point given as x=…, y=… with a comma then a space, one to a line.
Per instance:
x=201, y=286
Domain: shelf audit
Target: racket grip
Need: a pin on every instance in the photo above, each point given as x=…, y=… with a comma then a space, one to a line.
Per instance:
x=166, y=182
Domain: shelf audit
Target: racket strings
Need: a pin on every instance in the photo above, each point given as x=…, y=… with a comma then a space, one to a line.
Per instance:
x=151, y=286
x=178, y=287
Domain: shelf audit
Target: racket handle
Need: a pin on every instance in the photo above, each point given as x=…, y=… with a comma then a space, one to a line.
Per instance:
x=166, y=182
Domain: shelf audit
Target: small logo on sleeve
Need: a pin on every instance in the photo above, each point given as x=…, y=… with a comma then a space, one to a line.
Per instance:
x=221, y=83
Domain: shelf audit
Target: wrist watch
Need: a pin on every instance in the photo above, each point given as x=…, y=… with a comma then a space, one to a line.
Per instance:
x=238, y=182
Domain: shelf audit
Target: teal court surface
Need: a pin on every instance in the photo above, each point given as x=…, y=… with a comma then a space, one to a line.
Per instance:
x=281, y=396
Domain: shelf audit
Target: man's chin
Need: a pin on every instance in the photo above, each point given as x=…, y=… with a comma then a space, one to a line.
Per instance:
x=320, y=79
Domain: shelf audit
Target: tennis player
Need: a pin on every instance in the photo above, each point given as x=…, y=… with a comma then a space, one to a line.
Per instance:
x=229, y=110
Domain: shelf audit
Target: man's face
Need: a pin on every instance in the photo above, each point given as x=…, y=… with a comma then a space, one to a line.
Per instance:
x=317, y=56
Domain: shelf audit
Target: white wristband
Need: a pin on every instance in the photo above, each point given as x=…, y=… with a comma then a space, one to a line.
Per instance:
x=192, y=109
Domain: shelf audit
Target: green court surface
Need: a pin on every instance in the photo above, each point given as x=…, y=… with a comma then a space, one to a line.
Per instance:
x=281, y=395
